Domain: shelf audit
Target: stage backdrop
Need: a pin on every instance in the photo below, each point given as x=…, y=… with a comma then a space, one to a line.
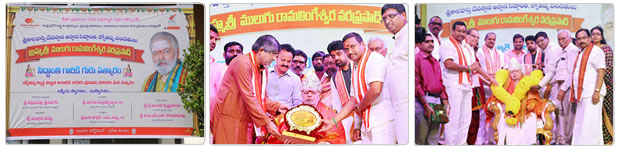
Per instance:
x=77, y=72
x=507, y=20
x=308, y=27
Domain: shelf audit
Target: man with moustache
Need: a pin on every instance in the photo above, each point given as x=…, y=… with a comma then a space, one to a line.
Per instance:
x=283, y=85
x=477, y=125
x=428, y=89
x=588, y=90
x=458, y=63
x=318, y=65
x=230, y=51
x=394, y=18
x=169, y=69
x=517, y=52
x=340, y=94
x=243, y=109
x=299, y=63
x=546, y=47
x=435, y=27
x=325, y=92
x=534, y=59
x=367, y=80
x=491, y=60
x=558, y=73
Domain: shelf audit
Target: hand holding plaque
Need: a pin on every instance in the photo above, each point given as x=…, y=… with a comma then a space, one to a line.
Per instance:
x=303, y=122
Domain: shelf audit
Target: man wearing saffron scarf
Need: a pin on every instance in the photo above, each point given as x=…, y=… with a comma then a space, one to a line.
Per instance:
x=367, y=80
x=491, y=60
x=169, y=71
x=458, y=63
x=340, y=92
x=587, y=90
x=243, y=109
x=534, y=58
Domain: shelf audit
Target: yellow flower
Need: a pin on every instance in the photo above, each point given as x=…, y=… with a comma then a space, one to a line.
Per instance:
x=511, y=121
x=513, y=101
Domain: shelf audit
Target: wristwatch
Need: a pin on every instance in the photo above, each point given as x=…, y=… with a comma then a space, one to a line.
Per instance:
x=597, y=90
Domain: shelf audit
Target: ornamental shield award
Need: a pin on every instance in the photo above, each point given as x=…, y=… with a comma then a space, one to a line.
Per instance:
x=303, y=121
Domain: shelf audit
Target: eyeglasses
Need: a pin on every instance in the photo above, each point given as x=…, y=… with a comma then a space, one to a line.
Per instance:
x=582, y=38
x=435, y=23
x=389, y=16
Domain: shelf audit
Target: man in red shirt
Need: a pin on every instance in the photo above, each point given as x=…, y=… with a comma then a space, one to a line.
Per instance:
x=429, y=89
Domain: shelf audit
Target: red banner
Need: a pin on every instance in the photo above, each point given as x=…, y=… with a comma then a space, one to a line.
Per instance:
x=37, y=52
x=21, y=132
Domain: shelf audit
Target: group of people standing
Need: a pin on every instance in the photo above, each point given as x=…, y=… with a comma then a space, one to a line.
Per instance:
x=462, y=75
x=359, y=88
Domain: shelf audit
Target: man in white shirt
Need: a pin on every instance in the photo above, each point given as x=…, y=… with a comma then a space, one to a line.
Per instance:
x=546, y=47
x=396, y=82
x=558, y=73
x=458, y=63
x=377, y=44
x=435, y=27
x=367, y=80
x=588, y=91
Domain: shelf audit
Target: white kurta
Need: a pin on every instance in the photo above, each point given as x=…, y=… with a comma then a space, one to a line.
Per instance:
x=381, y=114
x=436, y=45
x=549, y=50
x=396, y=84
x=460, y=95
x=588, y=118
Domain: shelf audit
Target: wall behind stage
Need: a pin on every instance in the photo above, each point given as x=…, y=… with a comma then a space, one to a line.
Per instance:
x=507, y=20
x=311, y=35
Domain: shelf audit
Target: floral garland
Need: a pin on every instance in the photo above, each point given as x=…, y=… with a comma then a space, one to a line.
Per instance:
x=513, y=101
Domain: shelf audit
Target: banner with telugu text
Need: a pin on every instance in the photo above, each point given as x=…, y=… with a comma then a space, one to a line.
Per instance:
x=302, y=16
x=80, y=73
x=506, y=20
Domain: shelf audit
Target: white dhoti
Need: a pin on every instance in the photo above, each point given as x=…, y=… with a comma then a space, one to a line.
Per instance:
x=456, y=130
x=519, y=134
x=382, y=134
x=481, y=136
x=588, y=127
x=400, y=109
